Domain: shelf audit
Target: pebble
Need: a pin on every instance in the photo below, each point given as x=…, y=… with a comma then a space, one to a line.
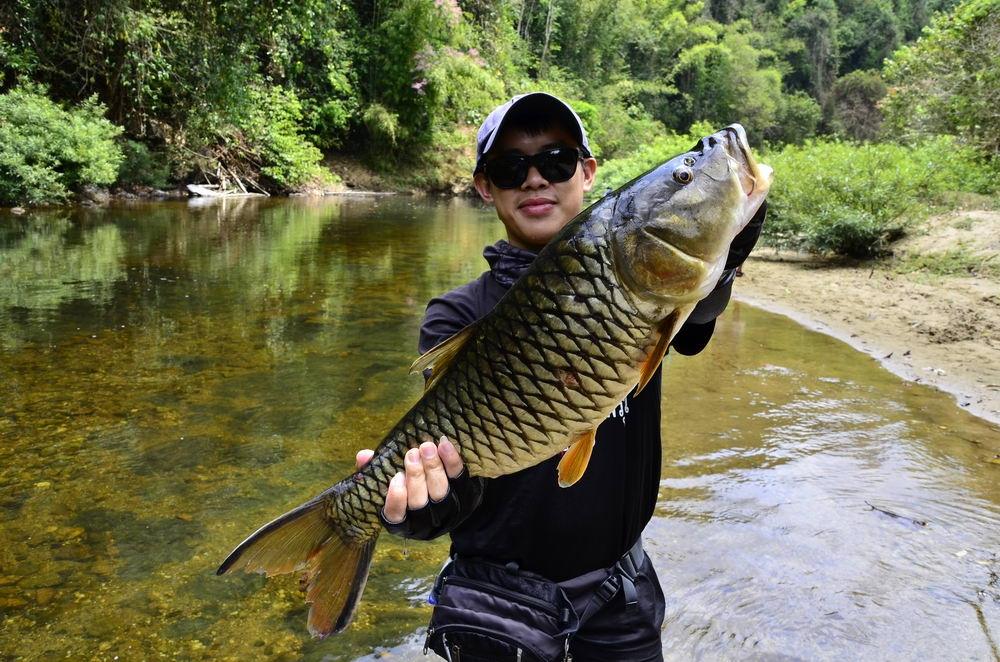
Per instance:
x=102, y=567
x=43, y=596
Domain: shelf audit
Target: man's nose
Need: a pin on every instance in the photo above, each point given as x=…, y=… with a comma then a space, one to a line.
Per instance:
x=534, y=179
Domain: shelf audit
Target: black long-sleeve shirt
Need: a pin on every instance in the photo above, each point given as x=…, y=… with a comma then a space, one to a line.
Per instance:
x=526, y=517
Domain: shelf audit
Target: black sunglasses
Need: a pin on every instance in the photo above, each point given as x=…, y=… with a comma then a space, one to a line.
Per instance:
x=555, y=165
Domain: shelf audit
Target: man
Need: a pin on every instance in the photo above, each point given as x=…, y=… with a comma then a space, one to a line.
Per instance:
x=534, y=166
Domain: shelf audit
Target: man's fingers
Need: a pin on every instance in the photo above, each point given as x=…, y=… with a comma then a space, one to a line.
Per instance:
x=395, y=499
x=416, y=484
x=434, y=473
x=363, y=457
x=450, y=458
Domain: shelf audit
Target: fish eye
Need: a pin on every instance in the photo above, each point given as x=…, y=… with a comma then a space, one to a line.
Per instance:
x=689, y=160
x=683, y=176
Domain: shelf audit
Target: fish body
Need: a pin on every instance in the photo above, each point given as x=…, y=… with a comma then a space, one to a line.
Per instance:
x=588, y=322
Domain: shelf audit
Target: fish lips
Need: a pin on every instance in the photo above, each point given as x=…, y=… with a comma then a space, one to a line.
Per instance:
x=755, y=178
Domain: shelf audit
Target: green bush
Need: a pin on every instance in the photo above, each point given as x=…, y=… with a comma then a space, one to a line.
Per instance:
x=143, y=166
x=382, y=123
x=46, y=151
x=798, y=117
x=271, y=126
x=854, y=200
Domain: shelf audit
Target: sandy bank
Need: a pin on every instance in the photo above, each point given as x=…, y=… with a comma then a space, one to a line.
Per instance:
x=938, y=330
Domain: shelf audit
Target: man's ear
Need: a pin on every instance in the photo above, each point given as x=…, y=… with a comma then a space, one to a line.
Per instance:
x=589, y=167
x=482, y=187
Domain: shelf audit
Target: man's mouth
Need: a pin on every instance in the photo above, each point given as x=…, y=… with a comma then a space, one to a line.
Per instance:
x=536, y=206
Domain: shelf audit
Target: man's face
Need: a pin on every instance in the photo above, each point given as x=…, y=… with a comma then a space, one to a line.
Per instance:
x=537, y=209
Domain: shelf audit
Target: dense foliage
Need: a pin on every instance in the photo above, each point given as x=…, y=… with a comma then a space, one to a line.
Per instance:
x=250, y=92
x=46, y=151
x=855, y=200
x=949, y=81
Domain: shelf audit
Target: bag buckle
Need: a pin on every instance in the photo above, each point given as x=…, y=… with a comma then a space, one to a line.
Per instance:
x=608, y=588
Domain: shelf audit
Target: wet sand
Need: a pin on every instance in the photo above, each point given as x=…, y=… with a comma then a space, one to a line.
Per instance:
x=943, y=331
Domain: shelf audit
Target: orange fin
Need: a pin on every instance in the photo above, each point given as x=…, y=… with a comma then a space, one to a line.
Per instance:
x=668, y=328
x=438, y=358
x=336, y=569
x=574, y=462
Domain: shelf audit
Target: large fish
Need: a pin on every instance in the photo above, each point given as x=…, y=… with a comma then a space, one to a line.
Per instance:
x=588, y=322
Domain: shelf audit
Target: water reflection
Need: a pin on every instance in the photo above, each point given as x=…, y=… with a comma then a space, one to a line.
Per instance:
x=171, y=376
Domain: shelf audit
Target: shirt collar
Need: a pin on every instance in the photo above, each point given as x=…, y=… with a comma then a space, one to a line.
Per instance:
x=507, y=262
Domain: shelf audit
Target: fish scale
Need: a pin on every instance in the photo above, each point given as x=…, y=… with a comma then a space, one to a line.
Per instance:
x=590, y=319
x=541, y=427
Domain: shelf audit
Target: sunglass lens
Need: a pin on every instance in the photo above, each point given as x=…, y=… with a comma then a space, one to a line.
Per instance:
x=507, y=171
x=557, y=165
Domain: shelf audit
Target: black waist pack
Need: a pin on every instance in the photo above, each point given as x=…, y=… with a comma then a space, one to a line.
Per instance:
x=486, y=612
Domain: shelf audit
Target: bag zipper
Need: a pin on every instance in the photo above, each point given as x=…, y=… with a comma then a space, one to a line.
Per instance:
x=495, y=635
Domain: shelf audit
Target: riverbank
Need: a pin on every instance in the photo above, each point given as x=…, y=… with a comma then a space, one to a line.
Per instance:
x=924, y=325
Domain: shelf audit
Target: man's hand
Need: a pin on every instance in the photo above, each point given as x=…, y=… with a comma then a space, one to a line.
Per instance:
x=427, y=471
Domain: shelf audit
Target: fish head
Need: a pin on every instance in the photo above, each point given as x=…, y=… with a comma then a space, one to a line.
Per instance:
x=671, y=228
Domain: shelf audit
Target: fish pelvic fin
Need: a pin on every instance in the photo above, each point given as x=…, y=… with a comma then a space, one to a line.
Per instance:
x=575, y=460
x=440, y=357
x=335, y=569
x=666, y=331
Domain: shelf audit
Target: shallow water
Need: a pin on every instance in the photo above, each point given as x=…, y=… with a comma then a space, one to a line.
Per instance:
x=172, y=376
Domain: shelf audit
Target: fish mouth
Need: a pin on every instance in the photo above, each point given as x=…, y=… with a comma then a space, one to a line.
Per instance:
x=755, y=178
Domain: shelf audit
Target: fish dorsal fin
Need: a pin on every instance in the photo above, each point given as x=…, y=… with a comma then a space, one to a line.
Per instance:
x=666, y=331
x=441, y=356
x=575, y=460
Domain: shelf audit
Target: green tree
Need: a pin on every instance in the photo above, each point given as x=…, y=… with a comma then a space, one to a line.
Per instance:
x=867, y=33
x=814, y=65
x=722, y=81
x=949, y=80
x=798, y=117
x=856, y=97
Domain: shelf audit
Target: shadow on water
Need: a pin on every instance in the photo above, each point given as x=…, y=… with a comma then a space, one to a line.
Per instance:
x=172, y=376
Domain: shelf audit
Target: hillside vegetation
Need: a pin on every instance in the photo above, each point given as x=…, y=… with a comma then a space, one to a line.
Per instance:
x=866, y=97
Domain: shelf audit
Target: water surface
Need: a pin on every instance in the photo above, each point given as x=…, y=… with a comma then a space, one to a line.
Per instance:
x=172, y=376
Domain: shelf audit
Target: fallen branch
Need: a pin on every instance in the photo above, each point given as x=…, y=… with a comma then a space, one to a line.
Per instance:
x=918, y=522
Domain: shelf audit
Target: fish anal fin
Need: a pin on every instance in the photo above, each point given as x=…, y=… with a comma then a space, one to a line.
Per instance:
x=666, y=331
x=575, y=460
x=441, y=356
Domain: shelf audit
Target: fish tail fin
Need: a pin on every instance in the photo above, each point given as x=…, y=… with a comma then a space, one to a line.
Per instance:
x=305, y=539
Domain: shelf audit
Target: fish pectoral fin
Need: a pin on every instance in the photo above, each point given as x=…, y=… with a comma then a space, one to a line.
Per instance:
x=574, y=462
x=666, y=331
x=441, y=356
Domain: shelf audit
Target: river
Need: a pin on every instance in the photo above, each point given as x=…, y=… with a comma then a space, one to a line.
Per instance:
x=172, y=375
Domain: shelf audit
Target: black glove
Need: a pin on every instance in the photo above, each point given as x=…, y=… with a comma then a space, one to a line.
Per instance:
x=745, y=241
x=439, y=517
x=697, y=331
